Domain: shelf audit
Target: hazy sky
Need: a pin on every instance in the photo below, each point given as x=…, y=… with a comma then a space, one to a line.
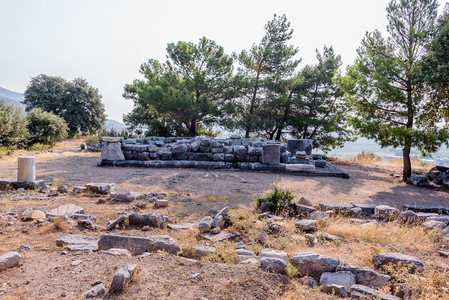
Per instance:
x=105, y=41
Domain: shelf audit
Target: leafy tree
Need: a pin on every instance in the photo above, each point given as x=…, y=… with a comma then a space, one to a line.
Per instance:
x=382, y=87
x=318, y=112
x=45, y=127
x=184, y=94
x=77, y=102
x=13, y=131
x=264, y=78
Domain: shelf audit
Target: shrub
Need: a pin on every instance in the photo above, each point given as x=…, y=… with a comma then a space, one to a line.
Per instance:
x=46, y=127
x=366, y=157
x=278, y=200
x=38, y=147
x=5, y=151
x=13, y=130
x=91, y=139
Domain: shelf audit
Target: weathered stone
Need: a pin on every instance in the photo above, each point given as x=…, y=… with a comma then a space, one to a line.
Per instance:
x=79, y=190
x=160, y=203
x=26, y=170
x=311, y=239
x=314, y=264
x=9, y=260
x=217, y=221
x=36, y=185
x=319, y=215
x=320, y=163
x=77, y=239
x=6, y=184
x=300, y=145
x=329, y=237
x=445, y=234
x=271, y=154
x=336, y=208
x=182, y=226
x=125, y=196
x=308, y=281
x=222, y=236
x=384, y=259
x=223, y=212
x=122, y=278
x=111, y=151
x=274, y=264
x=116, y=252
x=364, y=290
x=434, y=225
x=304, y=201
x=385, y=212
x=366, y=276
x=245, y=252
x=335, y=289
x=179, y=148
x=268, y=252
x=96, y=291
x=116, y=222
x=299, y=168
x=100, y=188
x=66, y=210
x=136, y=245
x=408, y=217
x=153, y=220
x=202, y=251
x=306, y=225
x=302, y=211
x=205, y=224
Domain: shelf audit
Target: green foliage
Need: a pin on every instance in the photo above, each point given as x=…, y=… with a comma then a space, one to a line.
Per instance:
x=13, y=131
x=45, y=127
x=78, y=103
x=278, y=200
x=383, y=88
x=292, y=271
x=183, y=94
x=38, y=147
x=6, y=151
x=91, y=139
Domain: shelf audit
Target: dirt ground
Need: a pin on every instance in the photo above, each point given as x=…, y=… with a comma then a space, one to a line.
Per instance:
x=46, y=274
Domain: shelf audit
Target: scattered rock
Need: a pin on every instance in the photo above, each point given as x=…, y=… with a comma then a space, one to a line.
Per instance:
x=217, y=221
x=215, y=230
x=304, y=201
x=443, y=253
x=153, y=220
x=358, y=289
x=125, y=196
x=66, y=210
x=239, y=245
x=385, y=212
x=87, y=224
x=205, y=224
x=335, y=289
x=308, y=281
x=78, y=240
x=137, y=245
x=75, y=263
x=160, y=203
x=329, y=237
x=96, y=291
x=340, y=278
x=122, y=278
x=384, y=259
x=306, y=225
x=116, y=222
x=366, y=276
x=100, y=188
x=311, y=239
x=314, y=264
x=38, y=214
x=116, y=252
x=202, y=251
x=268, y=252
x=434, y=225
x=274, y=264
x=9, y=260
x=222, y=236
x=319, y=215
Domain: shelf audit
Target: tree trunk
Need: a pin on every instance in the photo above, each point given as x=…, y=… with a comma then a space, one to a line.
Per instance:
x=192, y=128
x=407, y=171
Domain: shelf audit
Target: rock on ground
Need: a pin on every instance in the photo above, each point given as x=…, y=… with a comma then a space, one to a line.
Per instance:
x=66, y=210
x=152, y=220
x=96, y=291
x=79, y=240
x=314, y=264
x=306, y=225
x=341, y=278
x=9, y=260
x=384, y=259
x=366, y=276
x=385, y=212
x=358, y=289
x=100, y=188
x=122, y=278
x=274, y=264
x=268, y=252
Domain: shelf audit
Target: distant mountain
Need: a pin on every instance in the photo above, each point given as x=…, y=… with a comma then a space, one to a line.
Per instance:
x=16, y=99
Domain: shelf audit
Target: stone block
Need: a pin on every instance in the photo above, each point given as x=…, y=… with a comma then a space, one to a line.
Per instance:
x=152, y=220
x=122, y=278
x=300, y=145
x=271, y=154
x=26, y=171
x=299, y=168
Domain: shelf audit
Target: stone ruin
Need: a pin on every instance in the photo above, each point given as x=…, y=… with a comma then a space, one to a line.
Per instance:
x=235, y=153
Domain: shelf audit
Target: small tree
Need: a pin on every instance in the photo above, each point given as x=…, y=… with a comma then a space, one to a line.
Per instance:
x=383, y=89
x=45, y=127
x=13, y=130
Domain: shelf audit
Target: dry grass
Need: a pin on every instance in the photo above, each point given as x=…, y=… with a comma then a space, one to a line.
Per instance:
x=225, y=253
x=365, y=157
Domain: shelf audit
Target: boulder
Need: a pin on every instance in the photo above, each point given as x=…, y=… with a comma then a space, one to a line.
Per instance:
x=217, y=222
x=125, y=196
x=37, y=214
x=306, y=225
x=268, y=252
x=274, y=264
x=434, y=225
x=152, y=220
x=122, y=278
x=358, y=289
x=9, y=260
x=222, y=236
x=385, y=212
x=245, y=252
x=87, y=224
x=342, y=278
x=100, y=188
x=137, y=245
x=314, y=264
x=366, y=276
x=96, y=291
x=300, y=210
x=308, y=281
x=408, y=217
x=205, y=224
x=384, y=259
x=304, y=201
x=202, y=251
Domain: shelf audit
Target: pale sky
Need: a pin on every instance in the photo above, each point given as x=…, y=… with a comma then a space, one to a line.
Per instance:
x=105, y=41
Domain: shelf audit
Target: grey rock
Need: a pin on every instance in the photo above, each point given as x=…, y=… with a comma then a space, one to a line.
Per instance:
x=122, y=278
x=268, y=252
x=271, y=154
x=179, y=148
x=300, y=145
x=222, y=236
x=96, y=291
x=112, y=150
x=274, y=264
x=445, y=234
x=100, y=188
x=366, y=276
x=205, y=224
x=306, y=225
x=329, y=237
x=311, y=239
x=408, y=217
x=116, y=222
x=217, y=222
x=308, y=281
x=182, y=226
x=152, y=220
x=78, y=239
x=239, y=245
x=319, y=215
x=245, y=252
x=303, y=211
x=215, y=230
x=434, y=225
x=314, y=264
x=335, y=289
x=160, y=203
x=125, y=196
x=66, y=210
x=342, y=278
x=137, y=245
x=364, y=290
x=202, y=251
x=385, y=212
x=9, y=260
x=223, y=212
x=304, y=201
x=384, y=259
x=87, y=224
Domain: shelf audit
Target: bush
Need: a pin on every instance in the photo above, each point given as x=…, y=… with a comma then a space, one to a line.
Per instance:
x=278, y=200
x=46, y=127
x=91, y=139
x=5, y=151
x=38, y=147
x=366, y=157
x=13, y=131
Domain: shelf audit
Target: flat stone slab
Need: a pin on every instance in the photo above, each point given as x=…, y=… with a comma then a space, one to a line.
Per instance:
x=66, y=210
x=222, y=236
x=137, y=245
x=100, y=188
x=299, y=167
x=182, y=226
x=428, y=208
x=78, y=240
